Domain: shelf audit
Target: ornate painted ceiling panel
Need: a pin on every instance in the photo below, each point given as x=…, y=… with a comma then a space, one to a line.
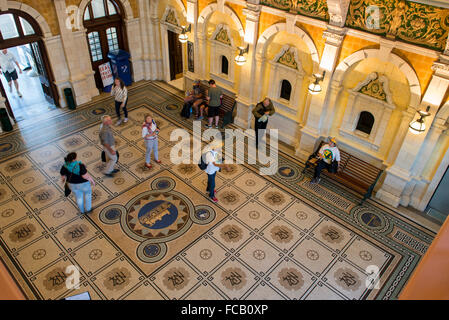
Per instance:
x=409, y=21
x=311, y=8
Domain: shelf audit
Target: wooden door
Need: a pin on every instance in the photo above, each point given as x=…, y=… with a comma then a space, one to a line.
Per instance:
x=175, y=55
x=43, y=77
x=101, y=40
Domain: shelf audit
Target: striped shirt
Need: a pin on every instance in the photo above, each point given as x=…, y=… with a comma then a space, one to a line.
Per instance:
x=120, y=95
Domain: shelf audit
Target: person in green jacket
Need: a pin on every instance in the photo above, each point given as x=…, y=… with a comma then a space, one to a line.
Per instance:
x=261, y=112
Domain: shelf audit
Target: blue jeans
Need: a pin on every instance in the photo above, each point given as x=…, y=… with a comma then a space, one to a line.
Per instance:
x=211, y=184
x=83, y=195
x=151, y=145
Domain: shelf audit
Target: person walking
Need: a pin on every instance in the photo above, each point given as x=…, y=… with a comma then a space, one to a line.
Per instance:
x=150, y=135
x=7, y=60
x=79, y=181
x=261, y=112
x=214, y=164
x=108, y=142
x=329, y=156
x=120, y=93
x=214, y=96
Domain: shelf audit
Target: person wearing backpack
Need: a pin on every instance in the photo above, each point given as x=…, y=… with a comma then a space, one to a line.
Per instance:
x=79, y=181
x=211, y=163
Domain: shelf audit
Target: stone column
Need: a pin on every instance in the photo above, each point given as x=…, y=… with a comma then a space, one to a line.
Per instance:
x=157, y=59
x=398, y=181
x=192, y=18
x=246, y=99
x=419, y=183
x=135, y=48
x=318, y=109
x=77, y=57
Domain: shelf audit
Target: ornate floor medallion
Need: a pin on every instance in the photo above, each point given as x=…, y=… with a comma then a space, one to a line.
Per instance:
x=156, y=217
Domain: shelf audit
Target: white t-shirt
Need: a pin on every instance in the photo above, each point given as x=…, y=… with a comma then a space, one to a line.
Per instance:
x=211, y=157
x=7, y=62
x=330, y=153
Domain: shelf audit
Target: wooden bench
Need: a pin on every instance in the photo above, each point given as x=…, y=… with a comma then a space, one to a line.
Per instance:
x=227, y=108
x=353, y=172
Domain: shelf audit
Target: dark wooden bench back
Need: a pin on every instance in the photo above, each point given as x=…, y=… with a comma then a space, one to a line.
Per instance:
x=353, y=172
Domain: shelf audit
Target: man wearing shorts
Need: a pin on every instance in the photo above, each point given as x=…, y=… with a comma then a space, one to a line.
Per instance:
x=214, y=96
x=7, y=61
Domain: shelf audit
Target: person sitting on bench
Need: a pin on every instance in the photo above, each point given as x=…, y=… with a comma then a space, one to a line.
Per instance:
x=329, y=156
x=196, y=100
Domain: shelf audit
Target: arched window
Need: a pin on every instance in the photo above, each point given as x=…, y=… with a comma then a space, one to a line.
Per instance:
x=104, y=24
x=366, y=122
x=14, y=25
x=224, y=65
x=286, y=90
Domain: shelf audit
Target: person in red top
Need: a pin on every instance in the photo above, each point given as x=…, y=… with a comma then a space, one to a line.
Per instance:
x=149, y=134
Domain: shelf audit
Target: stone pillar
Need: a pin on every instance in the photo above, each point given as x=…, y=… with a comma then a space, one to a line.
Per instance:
x=246, y=99
x=135, y=48
x=398, y=181
x=146, y=39
x=157, y=59
x=77, y=56
x=192, y=18
x=317, y=110
x=419, y=183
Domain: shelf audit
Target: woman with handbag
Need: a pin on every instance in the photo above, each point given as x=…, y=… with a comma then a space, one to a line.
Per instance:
x=149, y=134
x=75, y=178
x=120, y=93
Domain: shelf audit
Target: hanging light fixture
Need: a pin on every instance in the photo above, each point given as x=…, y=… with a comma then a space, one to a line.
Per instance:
x=183, y=37
x=418, y=125
x=241, y=59
x=315, y=88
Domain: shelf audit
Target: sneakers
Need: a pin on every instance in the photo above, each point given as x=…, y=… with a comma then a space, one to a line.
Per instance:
x=125, y=120
x=19, y=94
x=118, y=123
x=115, y=171
x=110, y=175
x=216, y=127
x=158, y=161
x=208, y=126
x=214, y=199
x=315, y=180
x=149, y=166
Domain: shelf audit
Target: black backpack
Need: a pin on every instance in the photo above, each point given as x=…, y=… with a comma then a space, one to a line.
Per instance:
x=202, y=165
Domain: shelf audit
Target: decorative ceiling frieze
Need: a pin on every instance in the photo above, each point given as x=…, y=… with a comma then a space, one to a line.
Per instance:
x=315, y=9
x=399, y=19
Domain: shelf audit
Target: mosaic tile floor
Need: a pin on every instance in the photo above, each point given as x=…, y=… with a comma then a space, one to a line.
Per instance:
x=268, y=237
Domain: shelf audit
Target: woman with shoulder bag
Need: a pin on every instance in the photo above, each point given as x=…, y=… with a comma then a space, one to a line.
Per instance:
x=74, y=173
x=120, y=93
x=149, y=135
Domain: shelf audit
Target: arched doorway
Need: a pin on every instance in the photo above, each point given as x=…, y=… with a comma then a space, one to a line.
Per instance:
x=103, y=20
x=21, y=35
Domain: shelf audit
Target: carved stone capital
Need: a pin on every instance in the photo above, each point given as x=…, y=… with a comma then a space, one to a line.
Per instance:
x=441, y=69
x=252, y=11
x=334, y=35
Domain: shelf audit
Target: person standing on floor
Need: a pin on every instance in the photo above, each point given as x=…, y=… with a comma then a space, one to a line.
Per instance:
x=214, y=164
x=108, y=142
x=120, y=93
x=329, y=156
x=79, y=181
x=261, y=112
x=150, y=135
x=214, y=96
x=7, y=61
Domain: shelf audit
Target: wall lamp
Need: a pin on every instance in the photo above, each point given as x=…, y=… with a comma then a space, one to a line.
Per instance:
x=241, y=59
x=183, y=37
x=315, y=88
x=417, y=126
